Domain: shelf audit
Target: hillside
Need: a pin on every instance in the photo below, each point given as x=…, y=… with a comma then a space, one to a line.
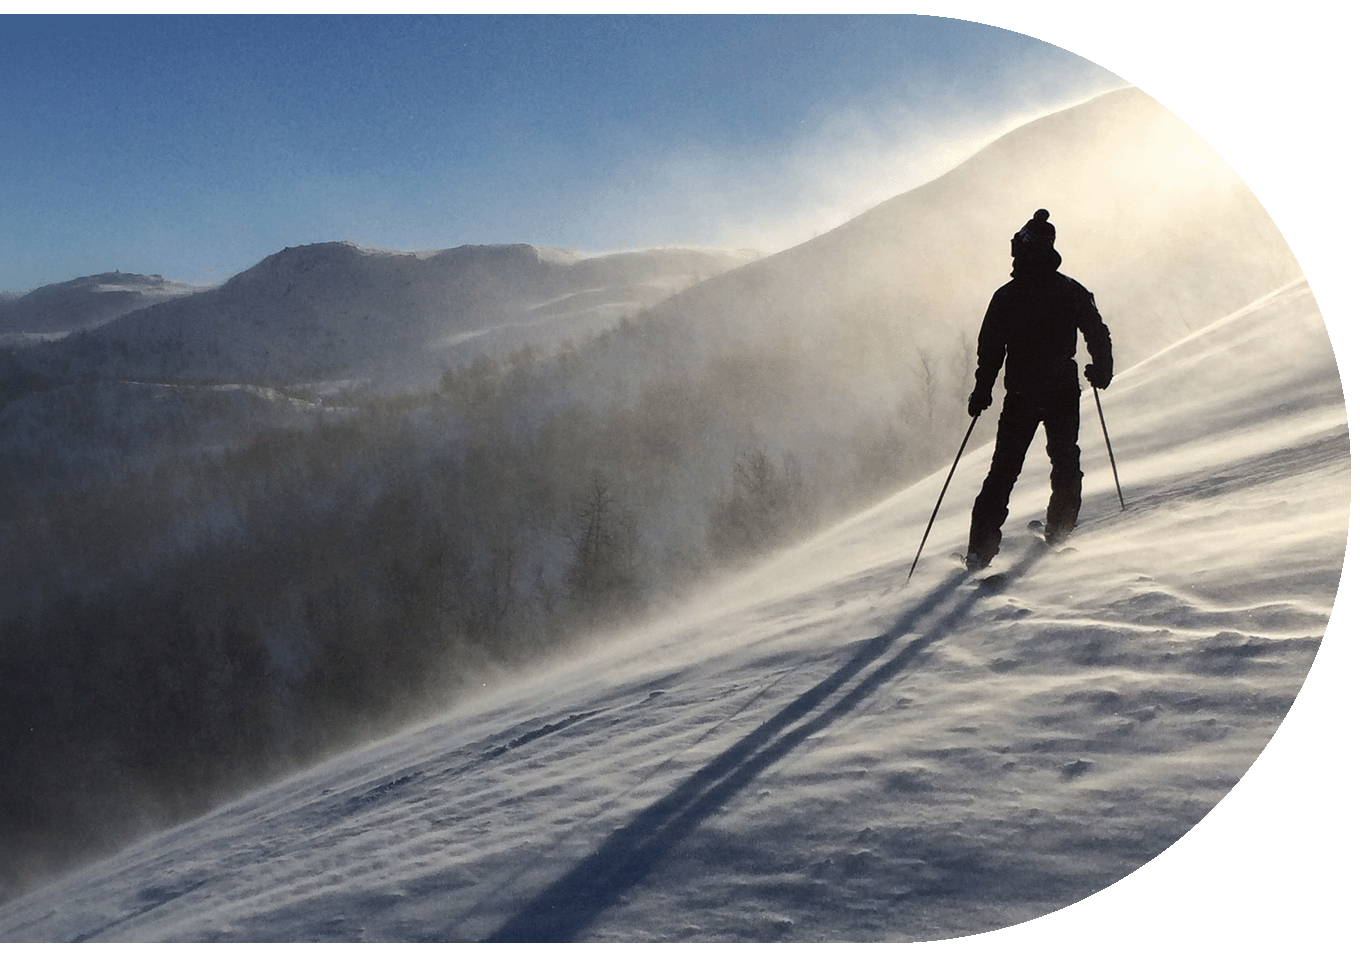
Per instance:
x=863, y=333
x=816, y=750
x=230, y=552
x=386, y=320
x=1147, y=215
x=59, y=308
x=285, y=344
x=881, y=314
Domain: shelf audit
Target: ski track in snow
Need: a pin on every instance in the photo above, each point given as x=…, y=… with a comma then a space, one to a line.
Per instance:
x=817, y=751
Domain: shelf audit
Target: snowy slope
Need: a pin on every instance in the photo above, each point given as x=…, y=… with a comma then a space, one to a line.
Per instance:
x=818, y=750
x=339, y=311
x=1134, y=193
x=58, y=308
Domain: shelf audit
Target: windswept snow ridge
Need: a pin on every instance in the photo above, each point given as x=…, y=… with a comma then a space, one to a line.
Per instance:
x=817, y=751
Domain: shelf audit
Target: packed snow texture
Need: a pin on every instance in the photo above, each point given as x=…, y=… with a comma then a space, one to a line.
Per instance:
x=819, y=750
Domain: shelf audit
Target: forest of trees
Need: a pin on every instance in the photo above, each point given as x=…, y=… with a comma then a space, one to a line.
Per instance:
x=174, y=634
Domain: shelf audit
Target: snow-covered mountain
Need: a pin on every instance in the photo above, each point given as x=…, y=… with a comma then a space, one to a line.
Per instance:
x=391, y=320
x=820, y=750
x=59, y=308
x=1134, y=193
x=875, y=315
x=274, y=346
x=1148, y=217
x=882, y=312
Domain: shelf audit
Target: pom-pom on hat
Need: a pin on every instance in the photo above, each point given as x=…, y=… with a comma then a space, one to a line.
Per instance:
x=1038, y=230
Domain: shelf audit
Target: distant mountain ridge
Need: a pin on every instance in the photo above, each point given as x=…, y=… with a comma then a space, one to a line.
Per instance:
x=339, y=311
x=85, y=302
x=876, y=315
x=1148, y=217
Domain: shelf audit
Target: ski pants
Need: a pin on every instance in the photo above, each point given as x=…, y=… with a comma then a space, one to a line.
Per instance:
x=1020, y=418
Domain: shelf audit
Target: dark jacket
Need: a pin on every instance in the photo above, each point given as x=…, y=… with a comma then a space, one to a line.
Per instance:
x=1031, y=325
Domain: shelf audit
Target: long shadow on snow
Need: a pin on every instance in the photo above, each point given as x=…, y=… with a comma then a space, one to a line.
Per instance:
x=569, y=905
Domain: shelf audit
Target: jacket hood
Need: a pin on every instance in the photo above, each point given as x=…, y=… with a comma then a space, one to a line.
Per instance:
x=1043, y=261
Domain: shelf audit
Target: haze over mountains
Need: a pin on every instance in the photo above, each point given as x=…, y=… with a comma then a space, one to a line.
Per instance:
x=59, y=308
x=814, y=751
x=264, y=349
x=251, y=525
x=1148, y=217
x=332, y=311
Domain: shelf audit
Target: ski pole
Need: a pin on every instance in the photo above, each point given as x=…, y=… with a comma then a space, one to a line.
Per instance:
x=1108, y=448
x=957, y=457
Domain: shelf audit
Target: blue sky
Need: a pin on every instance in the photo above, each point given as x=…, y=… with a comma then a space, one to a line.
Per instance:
x=194, y=147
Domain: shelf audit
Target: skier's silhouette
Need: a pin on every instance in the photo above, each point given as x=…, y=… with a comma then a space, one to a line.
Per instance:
x=1031, y=325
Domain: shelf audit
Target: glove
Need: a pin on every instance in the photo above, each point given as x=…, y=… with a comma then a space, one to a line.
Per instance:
x=1098, y=378
x=978, y=402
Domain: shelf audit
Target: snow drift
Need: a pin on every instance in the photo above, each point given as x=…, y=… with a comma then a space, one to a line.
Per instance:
x=818, y=751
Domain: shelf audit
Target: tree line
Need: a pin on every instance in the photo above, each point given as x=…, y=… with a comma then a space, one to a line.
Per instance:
x=201, y=625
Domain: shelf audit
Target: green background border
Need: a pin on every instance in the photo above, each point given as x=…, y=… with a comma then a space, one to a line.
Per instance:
x=1270, y=869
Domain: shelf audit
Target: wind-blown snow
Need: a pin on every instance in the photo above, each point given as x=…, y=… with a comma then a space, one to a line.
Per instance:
x=819, y=750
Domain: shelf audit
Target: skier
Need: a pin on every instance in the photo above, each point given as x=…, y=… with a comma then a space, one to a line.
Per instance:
x=1031, y=325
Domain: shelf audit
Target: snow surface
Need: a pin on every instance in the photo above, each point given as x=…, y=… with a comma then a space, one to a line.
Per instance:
x=818, y=750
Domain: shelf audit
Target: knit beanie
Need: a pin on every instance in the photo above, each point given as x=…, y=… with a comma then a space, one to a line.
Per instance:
x=1032, y=248
x=1037, y=231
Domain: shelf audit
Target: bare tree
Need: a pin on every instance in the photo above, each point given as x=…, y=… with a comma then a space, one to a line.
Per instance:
x=925, y=368
x=602, y=575
x=767, y=505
